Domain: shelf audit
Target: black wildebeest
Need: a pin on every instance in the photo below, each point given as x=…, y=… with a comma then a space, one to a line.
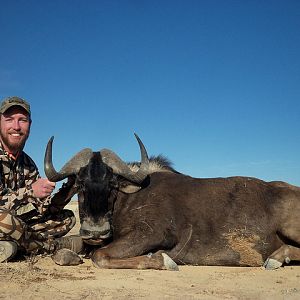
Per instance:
x=148, y=207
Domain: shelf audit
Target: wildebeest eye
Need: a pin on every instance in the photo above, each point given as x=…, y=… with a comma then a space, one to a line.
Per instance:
x=80, y=184
x=113, y=182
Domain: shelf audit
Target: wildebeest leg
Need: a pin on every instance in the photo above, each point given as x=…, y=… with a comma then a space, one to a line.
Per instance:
x=159, y=261
x=285, y=253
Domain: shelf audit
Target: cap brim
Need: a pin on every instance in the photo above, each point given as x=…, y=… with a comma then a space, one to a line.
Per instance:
x=4, y=109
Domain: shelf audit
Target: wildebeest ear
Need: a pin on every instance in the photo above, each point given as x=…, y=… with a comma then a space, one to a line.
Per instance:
x=130, y=188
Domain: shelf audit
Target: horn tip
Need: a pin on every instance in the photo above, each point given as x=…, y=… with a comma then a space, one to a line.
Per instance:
x=136, y=136
x=51, y=140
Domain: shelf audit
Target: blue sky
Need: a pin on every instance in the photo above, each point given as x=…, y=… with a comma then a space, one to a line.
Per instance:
x=213, y=85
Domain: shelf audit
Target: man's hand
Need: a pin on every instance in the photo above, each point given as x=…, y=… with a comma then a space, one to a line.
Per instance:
x=42, y=188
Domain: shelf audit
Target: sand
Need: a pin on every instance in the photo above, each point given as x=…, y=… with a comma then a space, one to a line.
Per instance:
x=40, y=278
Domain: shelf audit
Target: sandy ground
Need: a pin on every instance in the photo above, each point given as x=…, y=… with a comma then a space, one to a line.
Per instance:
x=41, y=278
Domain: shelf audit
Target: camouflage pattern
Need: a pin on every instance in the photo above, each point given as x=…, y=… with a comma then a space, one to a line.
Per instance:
x=16, y=179
x=25, y=219
x=39, y=234
x=14, y=101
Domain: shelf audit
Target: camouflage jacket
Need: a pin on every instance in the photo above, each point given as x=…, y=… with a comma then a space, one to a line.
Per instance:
x=16, y=178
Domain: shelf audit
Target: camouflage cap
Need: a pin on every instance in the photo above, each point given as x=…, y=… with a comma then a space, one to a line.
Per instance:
x=14, y=101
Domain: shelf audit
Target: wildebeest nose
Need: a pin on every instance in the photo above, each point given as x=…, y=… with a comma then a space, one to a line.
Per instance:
x=85, y=233
x=98, y=234
x=95, y=231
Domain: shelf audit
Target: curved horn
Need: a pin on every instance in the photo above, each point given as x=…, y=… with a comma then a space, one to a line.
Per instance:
x=121, y=168
x=71, y=167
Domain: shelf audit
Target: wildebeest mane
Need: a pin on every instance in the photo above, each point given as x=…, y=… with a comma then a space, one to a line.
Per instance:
x=157, y=163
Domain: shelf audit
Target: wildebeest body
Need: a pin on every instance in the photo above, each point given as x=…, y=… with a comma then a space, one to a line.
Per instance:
x=220, y=221
x=236, y=221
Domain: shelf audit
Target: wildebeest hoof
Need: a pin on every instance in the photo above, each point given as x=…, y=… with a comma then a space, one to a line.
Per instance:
x=272, y=264
x=169, y=263
x=66, y=257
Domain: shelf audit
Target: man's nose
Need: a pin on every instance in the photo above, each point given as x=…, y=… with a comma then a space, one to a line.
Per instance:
x=16, y=125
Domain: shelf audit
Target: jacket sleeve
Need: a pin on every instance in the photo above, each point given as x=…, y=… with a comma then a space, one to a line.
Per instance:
x=10, y=199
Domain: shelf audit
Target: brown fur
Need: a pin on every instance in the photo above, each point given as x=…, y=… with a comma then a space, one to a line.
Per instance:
x=237, y=221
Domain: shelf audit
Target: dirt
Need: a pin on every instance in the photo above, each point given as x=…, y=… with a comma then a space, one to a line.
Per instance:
x=40, y=278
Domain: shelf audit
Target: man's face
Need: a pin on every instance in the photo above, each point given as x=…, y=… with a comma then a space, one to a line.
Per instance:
x=14, y=129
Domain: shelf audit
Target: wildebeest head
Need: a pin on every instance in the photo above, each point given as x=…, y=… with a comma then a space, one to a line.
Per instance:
x=96, y=175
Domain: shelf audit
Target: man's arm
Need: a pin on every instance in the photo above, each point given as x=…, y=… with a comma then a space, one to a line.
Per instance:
x=11, y=199
x=14, y=199
x=35, y=191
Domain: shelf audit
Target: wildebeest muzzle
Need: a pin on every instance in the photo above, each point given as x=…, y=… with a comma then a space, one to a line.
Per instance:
x=96, y=232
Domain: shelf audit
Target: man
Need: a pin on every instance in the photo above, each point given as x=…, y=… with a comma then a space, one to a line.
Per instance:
x=30, y=219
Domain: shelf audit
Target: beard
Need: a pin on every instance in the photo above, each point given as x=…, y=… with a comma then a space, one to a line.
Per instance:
x=11, y=144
